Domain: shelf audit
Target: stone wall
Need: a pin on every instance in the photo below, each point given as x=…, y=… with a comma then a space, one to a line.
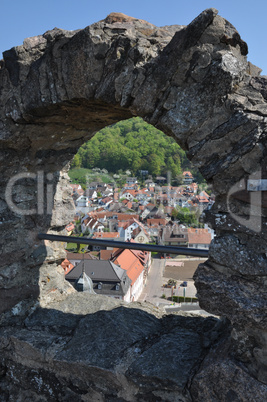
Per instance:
x=195, y=84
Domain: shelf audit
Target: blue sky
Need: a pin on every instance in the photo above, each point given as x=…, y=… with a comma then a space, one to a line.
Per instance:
x=23, y=18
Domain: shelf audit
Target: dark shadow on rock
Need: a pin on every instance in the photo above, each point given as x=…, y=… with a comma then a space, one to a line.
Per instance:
x=118, y=350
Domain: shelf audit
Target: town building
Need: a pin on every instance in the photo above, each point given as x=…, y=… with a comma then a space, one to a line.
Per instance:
x=108, y=278
x=187, y=177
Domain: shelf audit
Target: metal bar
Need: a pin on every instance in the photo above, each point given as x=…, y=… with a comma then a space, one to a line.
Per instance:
x=126, y=245
x=257, y=185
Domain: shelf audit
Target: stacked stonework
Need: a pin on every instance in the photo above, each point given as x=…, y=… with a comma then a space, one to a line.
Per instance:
x=196, y=85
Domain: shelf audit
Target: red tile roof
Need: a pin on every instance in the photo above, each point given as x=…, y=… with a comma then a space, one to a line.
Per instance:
x=157, y=222
x=126, y=217
x=132, y=192
x=131, y=263
x=202, y=199
x=67, y=266
x=187, y=173
x=198, y=236
x=70, y=227
x=75, y=186
x=106, y=235
x=106, y=199
x=106, y=254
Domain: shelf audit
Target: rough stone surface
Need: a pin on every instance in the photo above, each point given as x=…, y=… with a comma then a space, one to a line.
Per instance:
x=105, y=349
x=195, y=84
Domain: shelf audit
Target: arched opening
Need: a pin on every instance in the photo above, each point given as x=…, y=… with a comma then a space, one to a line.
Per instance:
x=127, y=187
x=196, y=86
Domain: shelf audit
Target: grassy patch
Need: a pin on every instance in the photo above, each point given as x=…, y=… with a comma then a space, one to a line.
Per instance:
x=84, y=176
x=181, y=299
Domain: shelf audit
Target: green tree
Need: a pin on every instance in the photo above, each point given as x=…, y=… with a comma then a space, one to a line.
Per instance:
x=155, y=164
x=76, y=161
x=133, y=144
x=185, y=216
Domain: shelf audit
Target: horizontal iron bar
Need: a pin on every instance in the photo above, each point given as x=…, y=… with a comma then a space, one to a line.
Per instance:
x=126, y=245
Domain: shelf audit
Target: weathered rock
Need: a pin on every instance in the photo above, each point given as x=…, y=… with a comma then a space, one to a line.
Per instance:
x=207, y=384
x=119, y=352
x=194, y=83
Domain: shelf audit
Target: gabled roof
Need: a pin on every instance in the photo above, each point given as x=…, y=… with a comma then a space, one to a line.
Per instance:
x=100, y=209
x=198, y=236
x=67, y=266
x=78, y=191
x=125, y=217
x=188, y=174
x=106, y=199
x=130, y=263
x=106, y=235
x=70, y=227
x=131, y=192
x=75, y=186
x=202, y=199
x=97, y=270
x=106, y=254
x=92, y=223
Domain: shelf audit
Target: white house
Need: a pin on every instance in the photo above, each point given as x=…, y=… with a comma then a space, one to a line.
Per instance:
x=128, y=260
x=187, y=177
x=91, y=225
x=142, y=237
x=82, y=201
x=126, y=228
x=131, y=180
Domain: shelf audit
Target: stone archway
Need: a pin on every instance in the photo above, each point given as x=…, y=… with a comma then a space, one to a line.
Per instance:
x=195, y=84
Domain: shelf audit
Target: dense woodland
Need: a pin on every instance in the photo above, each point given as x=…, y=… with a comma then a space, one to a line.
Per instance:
x=135, y=145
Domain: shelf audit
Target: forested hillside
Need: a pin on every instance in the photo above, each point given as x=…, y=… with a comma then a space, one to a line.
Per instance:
x=135, y=145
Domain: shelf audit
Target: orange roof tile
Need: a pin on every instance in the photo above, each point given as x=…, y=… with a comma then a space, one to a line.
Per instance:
x=70, y=227
x=106, y=254
x=128, y=261
x=105, y=235
x=198, y=236
x=187, y=173
x=67, y=266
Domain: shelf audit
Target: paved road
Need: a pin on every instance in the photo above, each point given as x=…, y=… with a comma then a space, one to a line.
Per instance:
x=153, y=288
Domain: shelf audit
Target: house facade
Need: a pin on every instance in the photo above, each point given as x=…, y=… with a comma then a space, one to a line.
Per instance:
x=134, y=268
x=187, y=177
x=91, y=225
x=108, y=278
x=131, y=180
x=142, y=237
x=82, y=201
